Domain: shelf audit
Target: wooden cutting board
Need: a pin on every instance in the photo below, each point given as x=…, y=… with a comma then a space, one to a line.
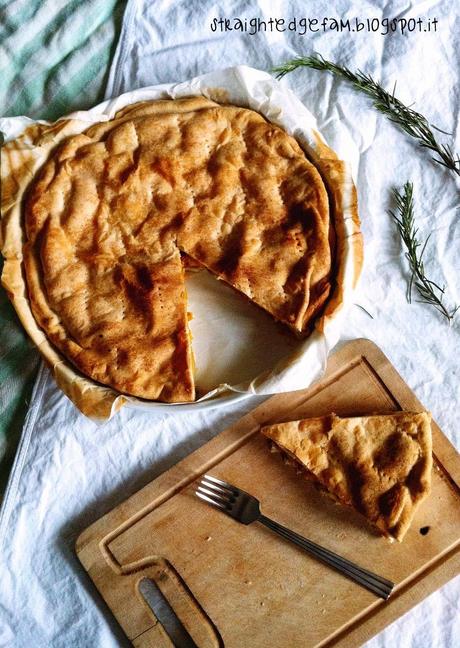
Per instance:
x=239, y=586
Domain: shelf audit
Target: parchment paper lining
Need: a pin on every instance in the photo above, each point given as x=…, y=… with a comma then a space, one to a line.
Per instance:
x=223, y=322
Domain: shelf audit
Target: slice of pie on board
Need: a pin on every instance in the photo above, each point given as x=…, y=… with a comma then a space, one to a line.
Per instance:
x=379, y=465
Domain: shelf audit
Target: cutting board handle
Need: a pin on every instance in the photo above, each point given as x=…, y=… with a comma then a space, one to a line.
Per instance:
x=175, y=595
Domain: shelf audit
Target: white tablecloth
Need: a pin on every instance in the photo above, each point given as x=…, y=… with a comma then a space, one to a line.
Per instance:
x=69, y=471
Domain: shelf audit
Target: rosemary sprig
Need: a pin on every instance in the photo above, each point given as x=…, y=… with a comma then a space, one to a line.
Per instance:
x=430, y=292
x=413, y=123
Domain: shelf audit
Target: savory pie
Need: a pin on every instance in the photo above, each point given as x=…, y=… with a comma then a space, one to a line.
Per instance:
x=113, y=208
x=379, y=465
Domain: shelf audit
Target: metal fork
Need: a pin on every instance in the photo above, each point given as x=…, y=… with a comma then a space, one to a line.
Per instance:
x=245, y=508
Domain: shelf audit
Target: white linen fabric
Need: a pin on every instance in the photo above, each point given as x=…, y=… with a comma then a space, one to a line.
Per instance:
x=69, y=471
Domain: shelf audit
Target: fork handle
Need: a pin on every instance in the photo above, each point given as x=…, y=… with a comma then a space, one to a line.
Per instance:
x=376, y=584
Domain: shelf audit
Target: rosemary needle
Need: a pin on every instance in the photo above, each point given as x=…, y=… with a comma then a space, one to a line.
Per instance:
x=411, y=122
x=365, y=310
x=428, y=290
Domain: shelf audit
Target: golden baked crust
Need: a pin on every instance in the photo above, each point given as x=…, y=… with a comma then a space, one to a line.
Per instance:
x=379, y=465
x=112, y=207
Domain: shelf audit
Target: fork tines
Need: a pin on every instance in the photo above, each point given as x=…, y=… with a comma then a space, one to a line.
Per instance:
x=216, y=492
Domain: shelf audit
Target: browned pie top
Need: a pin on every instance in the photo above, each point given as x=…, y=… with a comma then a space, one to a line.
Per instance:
x=113, y=207
x=380, y=465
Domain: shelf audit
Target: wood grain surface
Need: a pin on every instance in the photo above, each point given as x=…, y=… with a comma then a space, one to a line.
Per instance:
x=236, y=586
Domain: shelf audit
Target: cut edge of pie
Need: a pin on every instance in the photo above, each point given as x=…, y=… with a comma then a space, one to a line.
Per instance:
x=379, y=465
x=22, y=157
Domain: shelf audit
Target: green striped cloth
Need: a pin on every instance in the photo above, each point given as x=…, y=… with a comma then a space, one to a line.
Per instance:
x=54, y=58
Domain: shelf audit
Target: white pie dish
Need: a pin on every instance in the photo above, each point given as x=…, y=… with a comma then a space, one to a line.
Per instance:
x=247, y=352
